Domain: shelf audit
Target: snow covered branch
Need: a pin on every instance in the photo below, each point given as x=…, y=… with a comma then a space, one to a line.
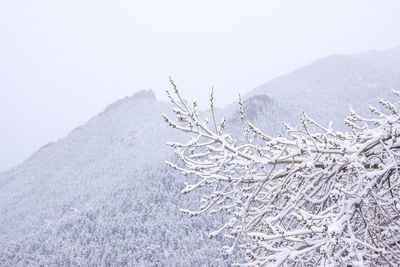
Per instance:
x=314, y=197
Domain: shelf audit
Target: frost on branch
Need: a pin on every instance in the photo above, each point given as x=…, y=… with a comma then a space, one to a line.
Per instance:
x=313, y=198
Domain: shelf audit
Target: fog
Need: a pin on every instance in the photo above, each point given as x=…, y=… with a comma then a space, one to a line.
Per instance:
x=62, y=62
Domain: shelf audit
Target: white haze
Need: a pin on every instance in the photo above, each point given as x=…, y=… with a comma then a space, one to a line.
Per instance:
x=61, y=62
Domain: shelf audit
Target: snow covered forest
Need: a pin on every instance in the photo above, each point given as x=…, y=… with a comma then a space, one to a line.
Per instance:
x=308, y=193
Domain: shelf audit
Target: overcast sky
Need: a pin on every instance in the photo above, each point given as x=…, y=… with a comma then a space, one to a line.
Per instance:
x=62, y=62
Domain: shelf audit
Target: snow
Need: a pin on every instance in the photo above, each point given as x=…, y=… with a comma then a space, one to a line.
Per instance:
x=103, y=193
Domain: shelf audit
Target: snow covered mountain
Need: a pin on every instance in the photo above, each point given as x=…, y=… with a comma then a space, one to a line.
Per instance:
x=326, y=88
x=102, y=195
x=88, y=162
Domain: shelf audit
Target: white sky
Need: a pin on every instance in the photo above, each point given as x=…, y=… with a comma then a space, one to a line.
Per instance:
x=61, y=62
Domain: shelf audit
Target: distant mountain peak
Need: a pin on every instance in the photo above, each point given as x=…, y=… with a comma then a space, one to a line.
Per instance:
x=258, y=100
x=138, y=97
x=144, y=94
x=256, y=105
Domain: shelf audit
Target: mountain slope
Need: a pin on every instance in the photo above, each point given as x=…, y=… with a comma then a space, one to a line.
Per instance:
x=137, y=223
x=326, y=88
x=71, y=172
x=103, y=195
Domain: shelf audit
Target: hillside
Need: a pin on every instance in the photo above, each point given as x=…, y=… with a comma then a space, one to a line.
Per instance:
x=73, y=171
x=326, y=88
x=107, y=173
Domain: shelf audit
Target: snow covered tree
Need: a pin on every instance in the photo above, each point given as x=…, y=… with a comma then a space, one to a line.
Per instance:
x=314, y=197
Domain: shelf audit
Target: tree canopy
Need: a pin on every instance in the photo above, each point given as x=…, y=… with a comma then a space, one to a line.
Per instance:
x=311, y=196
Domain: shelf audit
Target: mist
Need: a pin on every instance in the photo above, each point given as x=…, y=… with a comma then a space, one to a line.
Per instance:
x=62, y=62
